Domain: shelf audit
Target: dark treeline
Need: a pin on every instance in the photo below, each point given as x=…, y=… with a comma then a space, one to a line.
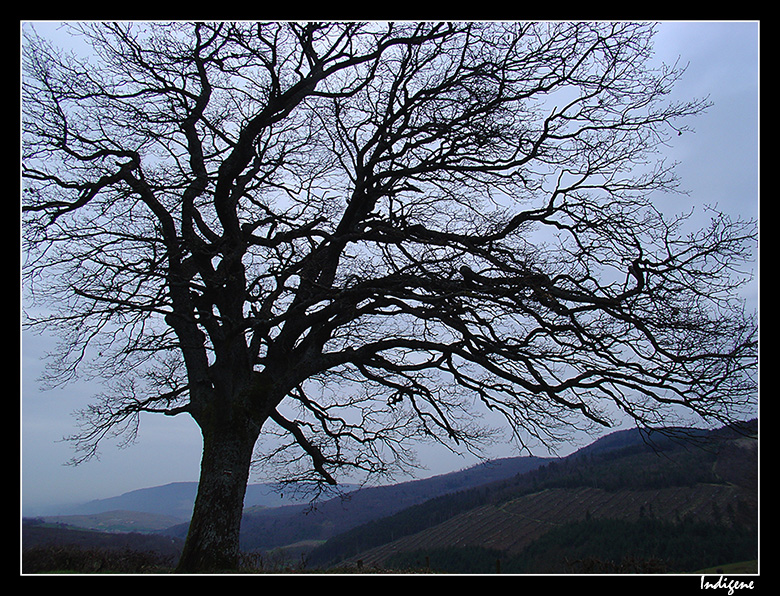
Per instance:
x=601, y=546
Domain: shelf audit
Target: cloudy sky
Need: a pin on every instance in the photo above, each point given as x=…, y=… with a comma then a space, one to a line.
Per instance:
x=719, y=165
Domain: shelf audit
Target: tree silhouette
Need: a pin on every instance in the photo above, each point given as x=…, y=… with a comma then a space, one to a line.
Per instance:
x=351, y=235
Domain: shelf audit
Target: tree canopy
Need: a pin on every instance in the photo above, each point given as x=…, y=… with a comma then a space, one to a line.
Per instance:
x=351, y=234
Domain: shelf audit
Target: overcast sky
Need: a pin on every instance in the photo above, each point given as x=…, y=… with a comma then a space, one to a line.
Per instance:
x=719, y=166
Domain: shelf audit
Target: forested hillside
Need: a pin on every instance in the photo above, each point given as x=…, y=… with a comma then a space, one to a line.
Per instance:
x=708, y=485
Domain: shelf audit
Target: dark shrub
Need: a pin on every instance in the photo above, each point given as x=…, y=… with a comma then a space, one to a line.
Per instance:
x=53, y=558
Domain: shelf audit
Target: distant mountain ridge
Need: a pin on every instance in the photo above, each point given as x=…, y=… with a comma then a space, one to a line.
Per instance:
x=266, y=504
x=113, y=521
x=264, y=529
x=176, y=500
x=271, y=518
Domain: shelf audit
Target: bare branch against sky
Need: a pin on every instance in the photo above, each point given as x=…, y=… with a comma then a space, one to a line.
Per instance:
x=436, y=288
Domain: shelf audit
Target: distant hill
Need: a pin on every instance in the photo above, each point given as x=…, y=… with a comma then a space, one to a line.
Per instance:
x=264, y=529
x=114, y=521
x=272, y=518
x=177, y=499
x=703, y=499
x=36, y=533
x=173, y=500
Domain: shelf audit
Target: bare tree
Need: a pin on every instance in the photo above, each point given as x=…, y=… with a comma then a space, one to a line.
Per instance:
x=352, y=235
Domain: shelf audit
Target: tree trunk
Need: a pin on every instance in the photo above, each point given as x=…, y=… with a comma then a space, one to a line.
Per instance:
x=212, y=542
